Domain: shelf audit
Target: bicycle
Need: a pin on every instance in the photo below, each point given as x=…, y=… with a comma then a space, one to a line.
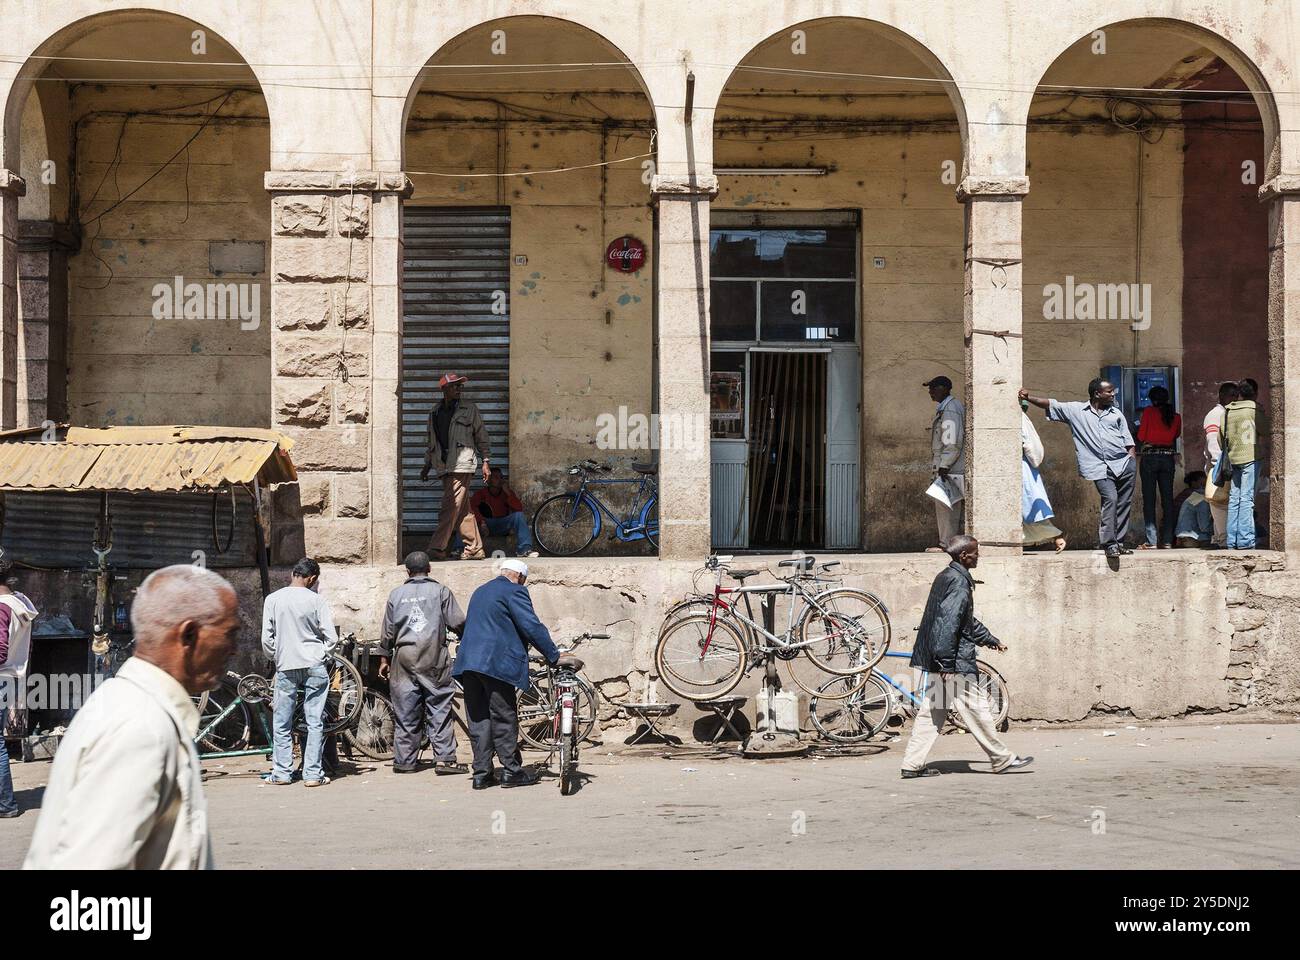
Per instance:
x=707, y=644
x=226, y=722
x=565, y=722
x=568, y=523
x=867, y=710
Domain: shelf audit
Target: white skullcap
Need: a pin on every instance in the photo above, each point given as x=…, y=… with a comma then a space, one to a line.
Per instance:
x=515, y=564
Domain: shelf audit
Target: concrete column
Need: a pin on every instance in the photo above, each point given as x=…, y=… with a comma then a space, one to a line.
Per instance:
x=994, y=352
x=43, y=250
x=335, y=258
x=1283, y=193
x=11, y=188
x=682, y=303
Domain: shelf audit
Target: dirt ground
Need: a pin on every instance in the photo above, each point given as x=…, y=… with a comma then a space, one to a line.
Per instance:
x=1125, y=794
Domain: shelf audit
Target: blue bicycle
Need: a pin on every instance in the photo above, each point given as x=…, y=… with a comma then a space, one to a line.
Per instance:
x=852, y=717
x=568, y=523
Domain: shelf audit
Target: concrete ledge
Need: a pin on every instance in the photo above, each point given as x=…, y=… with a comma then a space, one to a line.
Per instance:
x=327, y=181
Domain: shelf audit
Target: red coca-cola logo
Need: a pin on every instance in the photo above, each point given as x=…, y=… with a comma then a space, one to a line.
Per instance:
x=626, y=255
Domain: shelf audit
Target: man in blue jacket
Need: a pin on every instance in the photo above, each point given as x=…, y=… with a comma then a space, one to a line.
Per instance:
x=491, y=662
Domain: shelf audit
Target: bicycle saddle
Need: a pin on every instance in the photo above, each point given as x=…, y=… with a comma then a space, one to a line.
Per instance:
x=803, y=563
x=741, y=575
x=647, y=468
x=569, y=662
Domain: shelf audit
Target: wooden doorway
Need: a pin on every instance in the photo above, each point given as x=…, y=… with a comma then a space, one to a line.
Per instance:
x=787, y=464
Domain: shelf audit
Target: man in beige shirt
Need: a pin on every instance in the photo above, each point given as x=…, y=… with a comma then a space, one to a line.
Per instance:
x=125, y=790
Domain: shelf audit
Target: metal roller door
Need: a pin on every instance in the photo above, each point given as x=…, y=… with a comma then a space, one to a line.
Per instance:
x=455, y=316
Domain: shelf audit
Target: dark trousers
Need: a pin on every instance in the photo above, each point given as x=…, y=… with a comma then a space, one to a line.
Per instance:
x=1116, y=505
x=1157, y=471
x=493, y=716
x=423, y=706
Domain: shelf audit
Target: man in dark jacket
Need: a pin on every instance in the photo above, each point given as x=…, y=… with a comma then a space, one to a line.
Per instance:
x=945, y=649
x=414, y=636
x=491, y=662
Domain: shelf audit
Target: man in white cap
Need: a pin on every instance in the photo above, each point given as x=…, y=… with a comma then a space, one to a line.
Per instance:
x=458, y=445
x=491, y=663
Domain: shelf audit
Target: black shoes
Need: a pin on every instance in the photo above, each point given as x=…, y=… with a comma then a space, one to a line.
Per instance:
x=9, y=814
x=1113, y=551
x=523, y=778
x=411, y=769
x=445, y=768
x=1016, y=764
x=482, y=783
x=923, y=772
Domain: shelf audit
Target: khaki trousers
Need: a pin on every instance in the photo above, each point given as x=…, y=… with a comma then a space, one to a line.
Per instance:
x=455, y=513
x=950, y=520
x=963, y=694
x=1219, y=512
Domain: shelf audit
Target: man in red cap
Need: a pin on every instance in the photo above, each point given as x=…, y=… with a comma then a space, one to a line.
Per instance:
x=458, y=445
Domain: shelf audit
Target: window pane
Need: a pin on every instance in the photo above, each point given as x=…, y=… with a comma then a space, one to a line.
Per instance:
x=804, y=312
x=727, y=396
x=731, y=310
x=784, y=252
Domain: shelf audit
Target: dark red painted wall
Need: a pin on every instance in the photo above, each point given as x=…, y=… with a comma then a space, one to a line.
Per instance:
x=1225, y=258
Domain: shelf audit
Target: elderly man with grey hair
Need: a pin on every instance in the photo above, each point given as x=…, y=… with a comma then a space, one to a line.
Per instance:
x=945, y=650
x=125, y=791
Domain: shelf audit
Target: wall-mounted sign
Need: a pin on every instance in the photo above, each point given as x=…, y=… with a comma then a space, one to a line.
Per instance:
x=625, y=254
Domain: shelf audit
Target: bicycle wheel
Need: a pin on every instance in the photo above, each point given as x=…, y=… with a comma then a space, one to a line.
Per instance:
x=652, y=523
x=566, y=762
x=994, y=688
x=812, y=678
x=564, y=525
x=698, y=661
x=855, y=718
x=851, y=641
x=343, y=697
x=375, y=730
x=537, y=713
x=233, y=730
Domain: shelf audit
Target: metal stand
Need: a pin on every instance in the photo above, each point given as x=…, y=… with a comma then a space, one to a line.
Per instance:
x=770, y=742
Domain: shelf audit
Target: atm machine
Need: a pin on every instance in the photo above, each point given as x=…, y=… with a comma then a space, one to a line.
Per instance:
x=1133, y=383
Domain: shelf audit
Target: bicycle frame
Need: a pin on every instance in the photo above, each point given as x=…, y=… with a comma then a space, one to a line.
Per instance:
x=791, y=588
x=631, y=527
x=249, y=752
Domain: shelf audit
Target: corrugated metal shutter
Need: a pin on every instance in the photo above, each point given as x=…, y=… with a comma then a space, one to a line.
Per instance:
x=457, y=259
x=150, y=530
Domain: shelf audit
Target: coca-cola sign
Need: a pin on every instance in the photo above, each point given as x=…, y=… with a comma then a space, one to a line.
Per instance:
x=626, y=254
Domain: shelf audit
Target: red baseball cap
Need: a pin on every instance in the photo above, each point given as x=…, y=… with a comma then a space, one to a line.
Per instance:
x=452, y=378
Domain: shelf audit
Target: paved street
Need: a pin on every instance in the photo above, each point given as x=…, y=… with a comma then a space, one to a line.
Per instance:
x=1195, y=795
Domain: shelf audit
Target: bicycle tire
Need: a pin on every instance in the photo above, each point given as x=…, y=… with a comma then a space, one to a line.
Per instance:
x=566, y=758
x=810, y=685
x=235, y=730
x=731, y=655
x=866, y=647
x=536, y=712
x=999, y=697
x=866, y=716
x=374, y=734
x=552, y=517
x=702, y=605
x=652, y=523
x=343, y=697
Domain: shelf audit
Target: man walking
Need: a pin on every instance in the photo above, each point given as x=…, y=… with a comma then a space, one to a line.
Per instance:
x=16, y=616
x=125, y=791
x=945, y=649
x=1103, y=445
x=458, y=441
x=1239, y=438
x=948, y=458
x=417, y=665
x=491, y=662
x=1217, y=496
x=298, y=634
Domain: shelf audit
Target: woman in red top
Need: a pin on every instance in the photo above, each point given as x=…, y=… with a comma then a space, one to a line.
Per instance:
x=1158, y=434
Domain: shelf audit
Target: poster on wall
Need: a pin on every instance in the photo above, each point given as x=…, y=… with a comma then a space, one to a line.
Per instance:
x=626, y=254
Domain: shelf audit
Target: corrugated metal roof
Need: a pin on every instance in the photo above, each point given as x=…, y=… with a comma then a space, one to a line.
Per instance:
x=160, y=459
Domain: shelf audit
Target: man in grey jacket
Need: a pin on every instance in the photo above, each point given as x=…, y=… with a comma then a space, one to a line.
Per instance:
x=945, y=650
x=948, y=458
x=417, y=665
x=298, y=634
x=458, y=445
